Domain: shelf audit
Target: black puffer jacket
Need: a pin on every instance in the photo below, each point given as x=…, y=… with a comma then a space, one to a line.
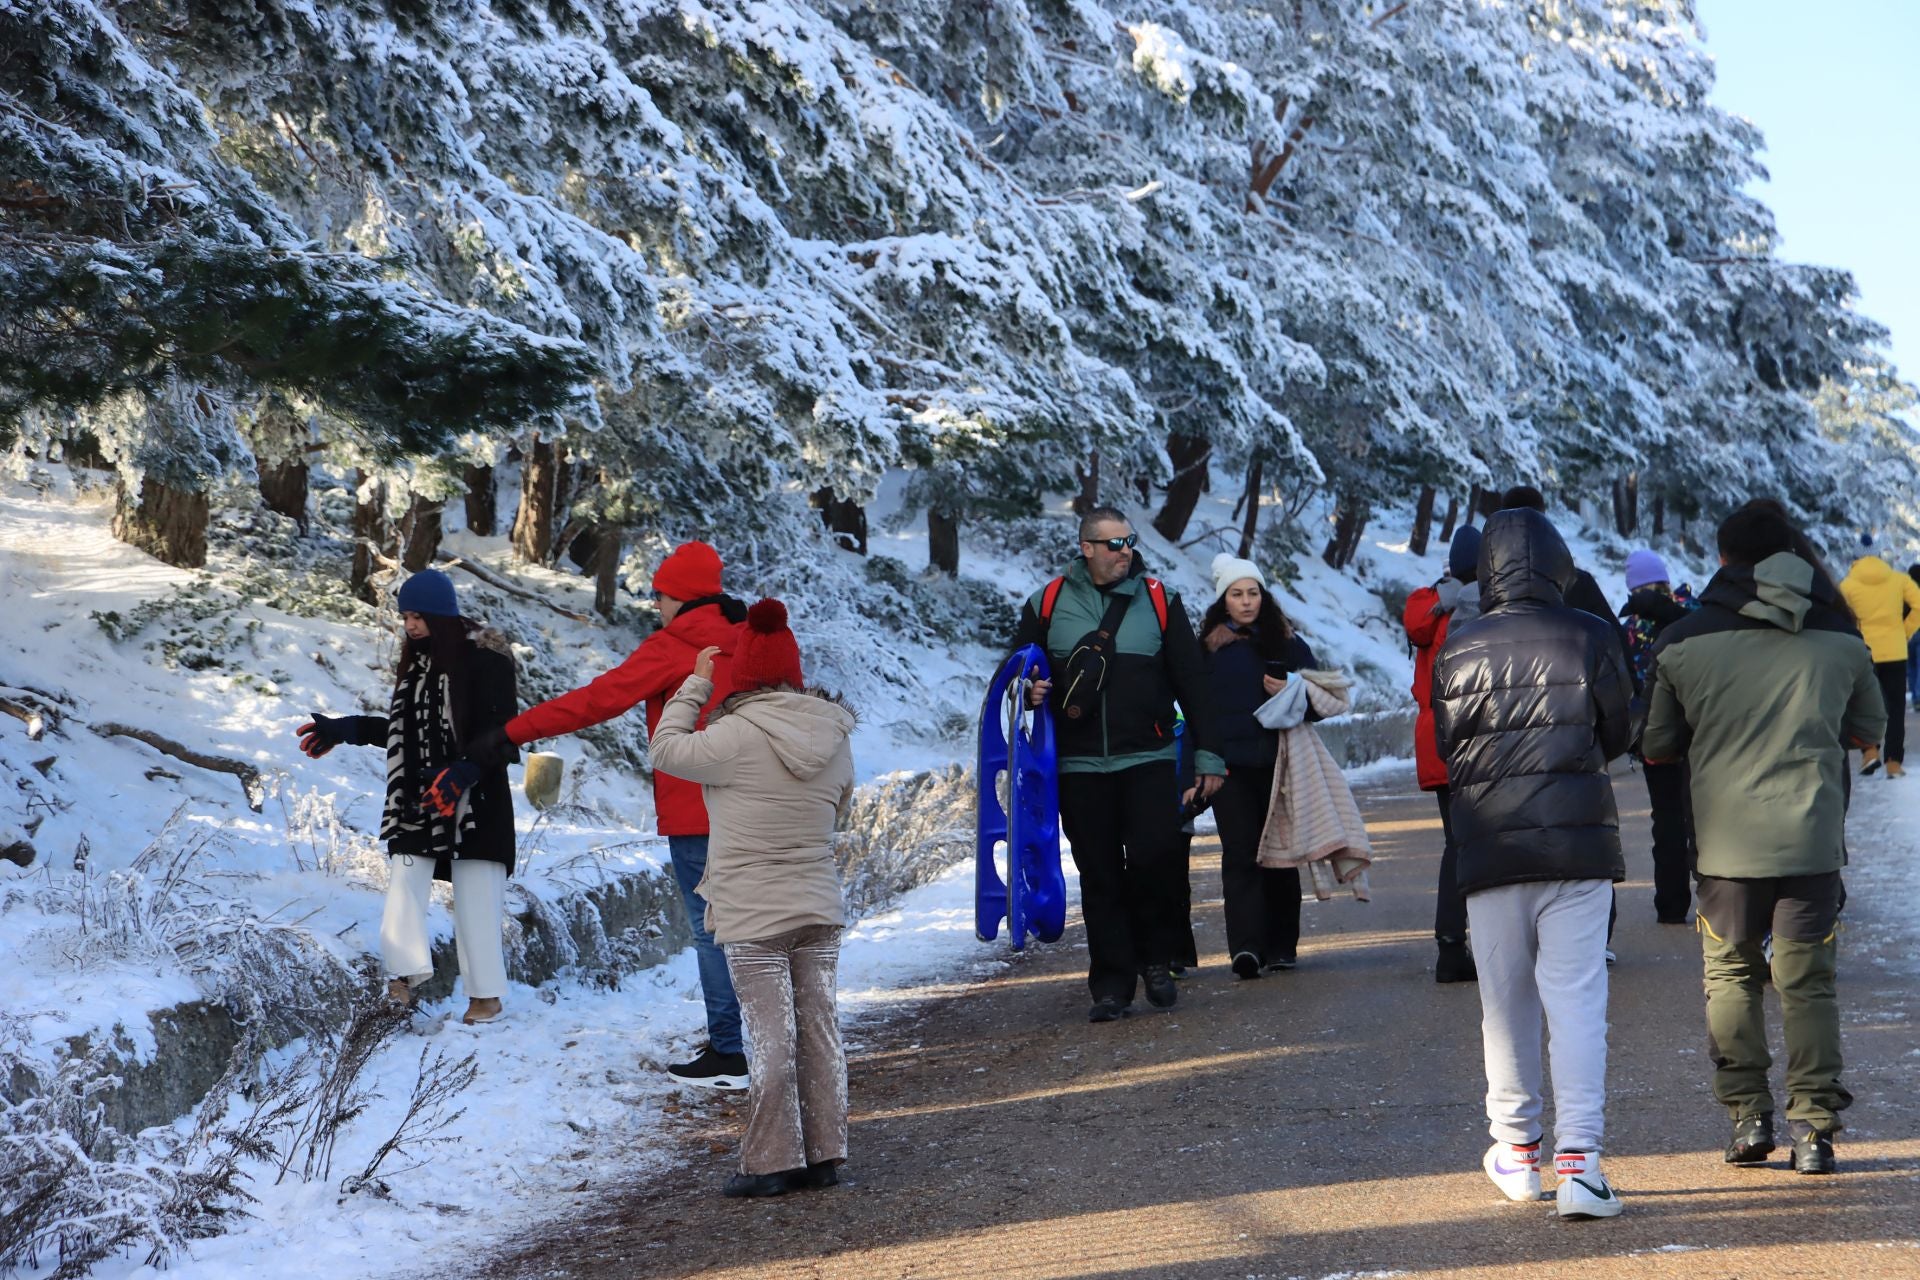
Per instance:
x=1530, y=701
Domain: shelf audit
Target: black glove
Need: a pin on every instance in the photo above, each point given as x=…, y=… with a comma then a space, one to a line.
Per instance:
x=322, y=734
x=452, y=782
x=491, y=749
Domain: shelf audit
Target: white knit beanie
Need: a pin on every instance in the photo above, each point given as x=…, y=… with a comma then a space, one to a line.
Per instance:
x=1228, y=570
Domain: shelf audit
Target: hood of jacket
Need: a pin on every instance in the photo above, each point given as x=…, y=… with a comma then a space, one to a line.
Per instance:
x=703, y=623
x=1523, y=559
x=805, y=729
x=1781, y=591
x=1871, y=571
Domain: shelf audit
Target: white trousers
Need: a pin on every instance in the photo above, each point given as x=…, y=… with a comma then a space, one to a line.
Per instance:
x=1541, y=949
x=479, y=908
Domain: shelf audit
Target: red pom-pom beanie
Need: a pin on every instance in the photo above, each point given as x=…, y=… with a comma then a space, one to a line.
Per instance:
x=766, y=652
x=692, y=572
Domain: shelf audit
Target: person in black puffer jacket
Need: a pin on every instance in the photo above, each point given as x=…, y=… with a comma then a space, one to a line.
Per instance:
x=1252, y=650
x=1530, y=702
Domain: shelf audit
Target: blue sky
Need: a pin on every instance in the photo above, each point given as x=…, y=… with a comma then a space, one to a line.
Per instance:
x=1836, y=89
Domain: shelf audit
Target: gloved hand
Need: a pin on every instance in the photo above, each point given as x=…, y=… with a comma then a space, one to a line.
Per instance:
x=443, y=794
x=491, y=749
x=1448, y=589
x=322, y=734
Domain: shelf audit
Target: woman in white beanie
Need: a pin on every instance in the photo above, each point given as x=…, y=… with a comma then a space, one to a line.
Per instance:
x=1252, y=650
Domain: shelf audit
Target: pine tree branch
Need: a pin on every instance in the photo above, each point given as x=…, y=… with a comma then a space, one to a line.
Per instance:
x=499, y=583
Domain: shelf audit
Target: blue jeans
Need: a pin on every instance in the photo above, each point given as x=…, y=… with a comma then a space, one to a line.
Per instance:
x=689, y=855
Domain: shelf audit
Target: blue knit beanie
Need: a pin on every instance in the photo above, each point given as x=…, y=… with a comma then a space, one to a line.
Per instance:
x=1866, y=539
x=429, y=593
x=1463, y=554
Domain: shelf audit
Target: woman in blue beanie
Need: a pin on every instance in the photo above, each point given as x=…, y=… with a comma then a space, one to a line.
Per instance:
x=446, y=818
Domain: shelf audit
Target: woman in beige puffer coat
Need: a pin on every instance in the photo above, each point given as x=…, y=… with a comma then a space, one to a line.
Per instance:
x=776, y=770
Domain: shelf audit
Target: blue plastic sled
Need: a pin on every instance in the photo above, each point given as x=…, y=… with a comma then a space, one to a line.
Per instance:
x=1019, y=743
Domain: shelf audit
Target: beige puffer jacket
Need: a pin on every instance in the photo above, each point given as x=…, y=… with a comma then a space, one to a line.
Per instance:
x=776, y=770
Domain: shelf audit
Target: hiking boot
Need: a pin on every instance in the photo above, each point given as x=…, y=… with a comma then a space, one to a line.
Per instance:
x=1161, y=993
x=713, y=1070
x=826, y=1173
x=744, y=1185
x=1813, y=1152
x=1246, y=965
x=1515, y=1170
x=1455, y=963
x=1176, y=971
x=1895, y=770
x=1108, y=1009
x=1752, y=1140
x=1584, y=1191
x=1869, y=761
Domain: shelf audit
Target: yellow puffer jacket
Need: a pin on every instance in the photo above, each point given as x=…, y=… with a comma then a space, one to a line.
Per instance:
x=1887, y=604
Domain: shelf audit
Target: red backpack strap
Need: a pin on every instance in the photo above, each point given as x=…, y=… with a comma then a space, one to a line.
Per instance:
x=1050, y=597
x=1158, y=594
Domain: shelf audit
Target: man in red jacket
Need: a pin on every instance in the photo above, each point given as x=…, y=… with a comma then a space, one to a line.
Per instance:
x=1429, y=611
x=694, y=615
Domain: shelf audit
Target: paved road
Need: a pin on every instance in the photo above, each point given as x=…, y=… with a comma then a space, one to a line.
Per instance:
x=1325, y=1122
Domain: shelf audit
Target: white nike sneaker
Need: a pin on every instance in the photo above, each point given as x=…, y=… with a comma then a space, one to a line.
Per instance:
x=1584, y=1191
x=1515, y=1170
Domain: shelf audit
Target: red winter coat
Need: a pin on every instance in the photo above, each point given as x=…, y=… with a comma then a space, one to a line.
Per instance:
x=1428, y=631
x=650, y=675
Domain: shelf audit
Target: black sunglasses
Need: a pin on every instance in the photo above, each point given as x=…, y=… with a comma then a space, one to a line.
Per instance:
x=1116, y=544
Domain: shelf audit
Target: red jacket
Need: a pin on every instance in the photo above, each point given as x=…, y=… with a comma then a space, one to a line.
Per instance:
x=650, y=674
x=1428, y=631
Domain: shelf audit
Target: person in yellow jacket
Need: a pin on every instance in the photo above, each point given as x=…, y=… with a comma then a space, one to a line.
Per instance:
x=1886, y=603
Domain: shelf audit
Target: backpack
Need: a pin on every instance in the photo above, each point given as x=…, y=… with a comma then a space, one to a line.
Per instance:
x=1155, y=592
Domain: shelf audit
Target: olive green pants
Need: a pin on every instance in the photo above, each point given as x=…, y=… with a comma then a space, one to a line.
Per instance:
x=1802, y=915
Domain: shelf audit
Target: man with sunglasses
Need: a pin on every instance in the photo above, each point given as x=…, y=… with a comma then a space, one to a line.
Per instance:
x=1121, y=653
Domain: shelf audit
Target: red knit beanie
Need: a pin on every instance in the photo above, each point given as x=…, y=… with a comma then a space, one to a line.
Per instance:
x=692, y=572
x=766, y=652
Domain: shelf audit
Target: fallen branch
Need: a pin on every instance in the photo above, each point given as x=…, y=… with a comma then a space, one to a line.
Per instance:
x=494, y=580
x=32, y=717
x=250, y=778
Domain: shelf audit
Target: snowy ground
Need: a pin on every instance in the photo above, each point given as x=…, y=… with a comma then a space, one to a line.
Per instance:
x=570, y=1089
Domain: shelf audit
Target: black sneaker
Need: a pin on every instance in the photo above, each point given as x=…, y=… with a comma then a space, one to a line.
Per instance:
x=1161, y=993
x=712, y=1070
x=1246, y=965
x=1109, y=1009
x=1278, y=963
x=1455, y=963
x=1813, y=1153
x=746, y=1185
x=1752, y=1140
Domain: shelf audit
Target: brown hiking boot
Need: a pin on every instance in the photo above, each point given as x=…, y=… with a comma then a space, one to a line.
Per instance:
x=400, y=992
x=1895, y=769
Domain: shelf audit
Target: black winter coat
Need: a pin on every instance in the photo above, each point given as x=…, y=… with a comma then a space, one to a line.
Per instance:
x=1530, y=701
x=1233, y=675
x=489, y=699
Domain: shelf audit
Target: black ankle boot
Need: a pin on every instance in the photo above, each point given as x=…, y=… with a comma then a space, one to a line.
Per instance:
x=815, y=1176
x=1455, y=963
x=742, y=1185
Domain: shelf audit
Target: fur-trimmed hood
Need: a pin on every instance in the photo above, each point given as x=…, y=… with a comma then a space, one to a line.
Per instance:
x=493, y=640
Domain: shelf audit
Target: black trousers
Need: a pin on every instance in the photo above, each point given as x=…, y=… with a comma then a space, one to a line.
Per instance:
x=1262, y=903
x=1125, y=832
x=1673, y=856
x=1449, y=907
x=1893, y=691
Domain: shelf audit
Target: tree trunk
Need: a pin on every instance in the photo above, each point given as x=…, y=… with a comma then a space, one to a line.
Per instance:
x=846, y=520
x=1633, y=503
x=370, y=535
x=1250, y=519
x=606, y=569
x=168, y=524
x=1422, y=521
x=483, y=499
x=420, y=533
x=1350, y=521
x=1089, y=496
x=943, y=541
x=1659, y=515
x=283, y=487
x=1189, y=456
x=1453, y=514
x=539, y=495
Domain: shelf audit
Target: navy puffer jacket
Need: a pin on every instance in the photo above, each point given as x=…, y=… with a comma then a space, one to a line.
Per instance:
x=1530, y=701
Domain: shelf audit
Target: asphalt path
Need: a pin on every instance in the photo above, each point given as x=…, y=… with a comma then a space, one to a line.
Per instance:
x=1321, y=1123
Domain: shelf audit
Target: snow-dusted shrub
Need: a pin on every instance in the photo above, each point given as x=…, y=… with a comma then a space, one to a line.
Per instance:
x=904, y=829
x=939, y=609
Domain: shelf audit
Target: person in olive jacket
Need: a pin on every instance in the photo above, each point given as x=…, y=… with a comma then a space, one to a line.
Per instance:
x=1761, y=691
x=1252, y=651
x=1530, y=702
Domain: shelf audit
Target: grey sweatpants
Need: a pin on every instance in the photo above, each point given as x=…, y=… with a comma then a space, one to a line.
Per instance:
x=1541, y=949
x=797, y=1091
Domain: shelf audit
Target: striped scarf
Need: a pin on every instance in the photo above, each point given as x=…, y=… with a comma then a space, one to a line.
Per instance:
x=420, y=743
